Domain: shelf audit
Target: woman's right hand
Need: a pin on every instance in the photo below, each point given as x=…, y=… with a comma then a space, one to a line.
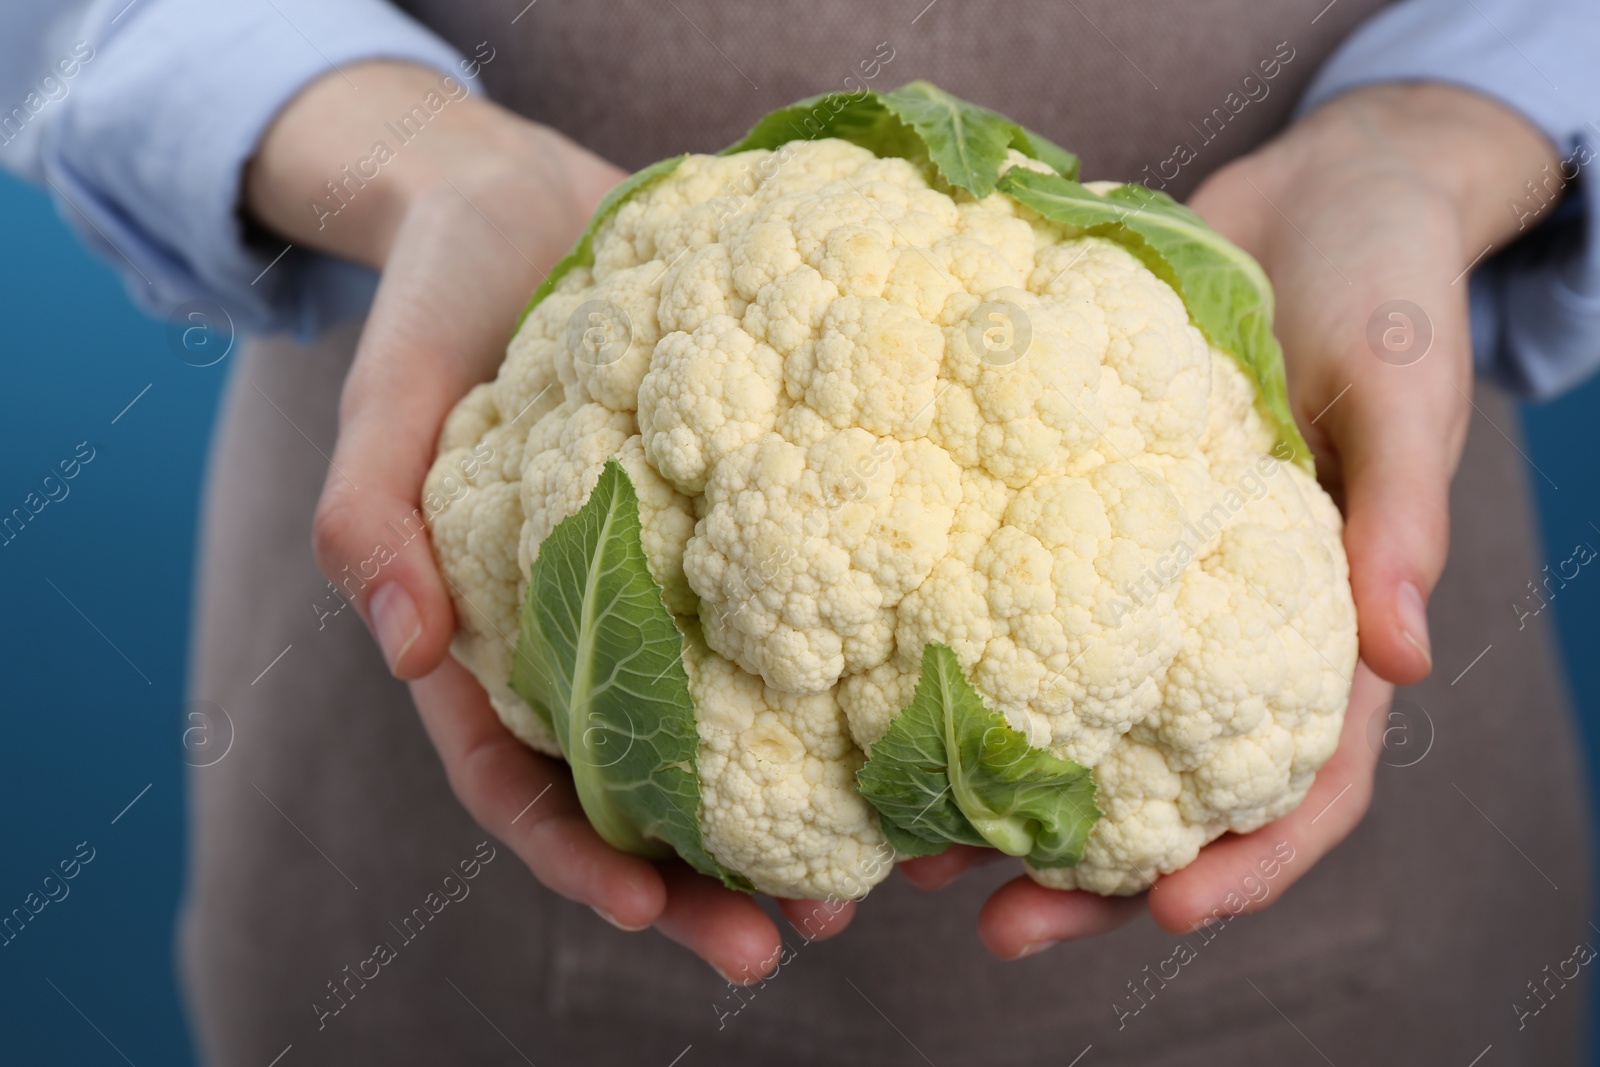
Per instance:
x=463, y=223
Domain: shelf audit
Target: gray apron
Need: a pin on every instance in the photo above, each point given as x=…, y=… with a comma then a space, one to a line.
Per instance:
x=1413, y=943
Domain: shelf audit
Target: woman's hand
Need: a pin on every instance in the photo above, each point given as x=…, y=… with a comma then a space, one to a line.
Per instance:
x=1365, y=215
x=463, y=222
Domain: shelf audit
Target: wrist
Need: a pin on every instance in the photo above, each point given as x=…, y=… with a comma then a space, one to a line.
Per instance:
x=340, y=170
x=1470, y=153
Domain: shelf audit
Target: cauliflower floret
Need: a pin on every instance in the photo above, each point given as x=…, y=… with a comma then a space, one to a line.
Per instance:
x=474, y=507
x=875, y=366
x=610, y=335
x=1020, y=378
x=802, y=553
x=777, y=779
x=700, y=288
x=862, y=415
x=707, y=393
x=1160, y=361
x=1252, y=696
x=1144, y=832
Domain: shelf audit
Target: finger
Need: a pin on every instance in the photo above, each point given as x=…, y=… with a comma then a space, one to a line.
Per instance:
x=527, y=801
x=818, y=920
x=1398, y=443
x=1383, y=373
x=1245, y=873
x=1022, y=917
x=369, y=534
x=1397, y=526
x=936, y=872
x=448, y=300
x=722, y=926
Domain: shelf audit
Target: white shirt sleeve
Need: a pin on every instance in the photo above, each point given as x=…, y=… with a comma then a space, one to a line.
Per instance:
x=144, y=144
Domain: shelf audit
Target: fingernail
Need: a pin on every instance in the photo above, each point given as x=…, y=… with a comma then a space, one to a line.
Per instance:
x=395, y=621
x=731, y=980
x=1035, y=948
x=612, y=919
x=1414, y=619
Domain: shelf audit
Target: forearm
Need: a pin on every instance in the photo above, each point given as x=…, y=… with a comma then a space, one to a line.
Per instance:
x=340, y=168
x=1473, y=152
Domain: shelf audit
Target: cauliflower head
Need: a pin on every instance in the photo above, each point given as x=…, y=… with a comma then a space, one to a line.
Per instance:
x=866, y=412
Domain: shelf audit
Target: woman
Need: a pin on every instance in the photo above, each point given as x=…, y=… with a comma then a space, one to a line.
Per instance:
x=1391, y=186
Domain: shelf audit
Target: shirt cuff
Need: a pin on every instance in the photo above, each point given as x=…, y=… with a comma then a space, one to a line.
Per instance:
x=1535, y=304
x=149, y=154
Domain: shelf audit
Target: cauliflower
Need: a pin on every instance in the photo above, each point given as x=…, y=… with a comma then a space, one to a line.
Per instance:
x=845, y=505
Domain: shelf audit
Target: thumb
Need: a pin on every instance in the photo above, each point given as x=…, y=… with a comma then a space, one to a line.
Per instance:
x=439, y=324
x=370, y=533
x=1398, y=437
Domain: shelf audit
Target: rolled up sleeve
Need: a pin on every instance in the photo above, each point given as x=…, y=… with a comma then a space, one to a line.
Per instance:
x=147, y=154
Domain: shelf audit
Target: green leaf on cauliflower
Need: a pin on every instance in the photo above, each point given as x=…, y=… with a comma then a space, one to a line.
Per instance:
x=951, y=770
x=582, y=254
x=964, y=143
x=967, y=142
x=599, y=658
x=1227, y=294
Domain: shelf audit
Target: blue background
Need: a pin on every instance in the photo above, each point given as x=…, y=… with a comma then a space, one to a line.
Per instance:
x=94, y=701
